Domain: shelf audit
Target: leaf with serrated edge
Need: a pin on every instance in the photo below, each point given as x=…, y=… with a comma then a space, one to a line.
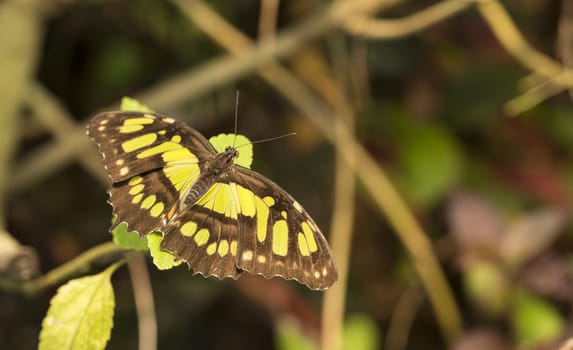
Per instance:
x=80, y=314
x=243, y=144
x=162, y=259
x=130, y=104
x=128, y=240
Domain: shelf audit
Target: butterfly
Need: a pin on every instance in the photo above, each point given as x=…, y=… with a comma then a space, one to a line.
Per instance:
x=218, y=216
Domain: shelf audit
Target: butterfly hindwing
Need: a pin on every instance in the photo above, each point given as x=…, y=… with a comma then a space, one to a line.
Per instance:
x=207, y=241
x=287, y=243
x=138, y=202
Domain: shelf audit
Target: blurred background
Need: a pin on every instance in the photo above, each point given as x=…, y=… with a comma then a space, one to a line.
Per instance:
x=434, y=148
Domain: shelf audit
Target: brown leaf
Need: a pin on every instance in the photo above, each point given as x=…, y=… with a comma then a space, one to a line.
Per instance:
x=530, y=235
x=481, y=339
x=474, y=224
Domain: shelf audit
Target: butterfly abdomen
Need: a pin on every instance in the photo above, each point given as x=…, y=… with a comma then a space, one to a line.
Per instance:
x=212, y=172
x=199, y=188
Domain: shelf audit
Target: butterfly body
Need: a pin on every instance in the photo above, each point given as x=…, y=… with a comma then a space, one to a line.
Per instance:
x=214, y=169
x=221, y=218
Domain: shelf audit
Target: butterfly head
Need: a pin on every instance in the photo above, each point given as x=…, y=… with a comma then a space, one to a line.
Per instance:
x=226, y=159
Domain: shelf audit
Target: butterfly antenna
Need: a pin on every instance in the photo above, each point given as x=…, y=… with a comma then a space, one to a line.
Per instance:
x=236, y=116
x=269, y=139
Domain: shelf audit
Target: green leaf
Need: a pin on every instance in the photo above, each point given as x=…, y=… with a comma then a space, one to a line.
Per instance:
x=361, y=333
x=291, y=337
x=431, y=163
x=162, y=259
x=80, y=314
x=243, y=144
x=488, y=286
x=130, y=104
x=535, y=321
x=128, y=240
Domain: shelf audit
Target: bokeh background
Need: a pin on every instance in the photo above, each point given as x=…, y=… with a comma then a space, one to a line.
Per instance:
x=434, y=147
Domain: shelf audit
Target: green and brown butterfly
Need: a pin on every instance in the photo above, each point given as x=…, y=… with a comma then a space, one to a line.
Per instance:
x=220, y=217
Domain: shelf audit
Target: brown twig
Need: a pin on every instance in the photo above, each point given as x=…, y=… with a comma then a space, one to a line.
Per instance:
x=358, y=22
x=333, y=89
x=147, y=322
x=268, y=19
x=403, y=317
x=65, y=271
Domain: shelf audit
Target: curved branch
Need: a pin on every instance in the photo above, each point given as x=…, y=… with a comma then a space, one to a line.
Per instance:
x=60, y=273
x=363, y=24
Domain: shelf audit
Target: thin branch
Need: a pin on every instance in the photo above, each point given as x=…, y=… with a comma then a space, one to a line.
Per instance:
x=362, y=24
x=268, y=19
x=56, y=119
x=511, y=39
x=565, y=36
x=342, y=222
x=532, y=97
x=147, y=322
x=402, y=318
x=65, y=271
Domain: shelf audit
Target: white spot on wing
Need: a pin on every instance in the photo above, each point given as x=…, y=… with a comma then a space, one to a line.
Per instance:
x=247, y=255
x=297, y=206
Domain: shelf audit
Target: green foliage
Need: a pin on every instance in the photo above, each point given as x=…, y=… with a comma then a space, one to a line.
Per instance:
x=535, y=321
x=80, y=315
x=130, y=104
x=162, y=259
x=291, y=337
x=117, y=64
x=128, y=240
x=475, y=96
x=487, y=285
x=361, y=333
x=431, y=163
x=245, y=148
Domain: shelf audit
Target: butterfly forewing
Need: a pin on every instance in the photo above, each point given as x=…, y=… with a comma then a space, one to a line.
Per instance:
x=133, y=143
x=242, y=222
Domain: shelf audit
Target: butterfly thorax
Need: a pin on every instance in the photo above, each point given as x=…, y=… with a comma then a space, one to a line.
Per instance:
x=214, y=169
